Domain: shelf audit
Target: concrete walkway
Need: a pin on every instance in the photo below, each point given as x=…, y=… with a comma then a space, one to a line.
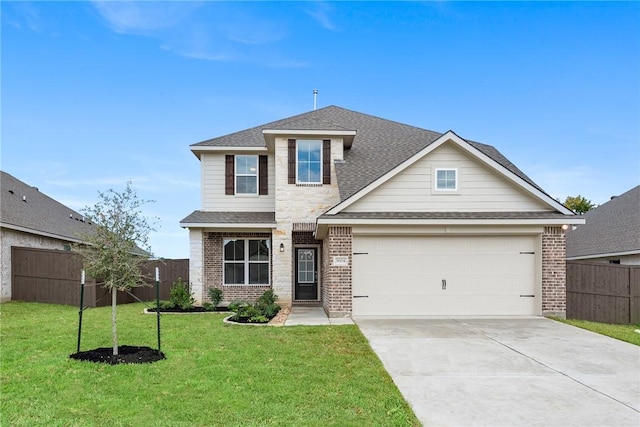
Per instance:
x=301, y=315
x=508, y=372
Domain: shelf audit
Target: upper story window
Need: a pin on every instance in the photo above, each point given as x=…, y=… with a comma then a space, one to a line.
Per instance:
x=309, y=162
x=246, y=174
x=447, y=179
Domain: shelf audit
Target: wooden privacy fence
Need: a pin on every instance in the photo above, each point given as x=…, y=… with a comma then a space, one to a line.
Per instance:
x=607, y=293
x=50, y=276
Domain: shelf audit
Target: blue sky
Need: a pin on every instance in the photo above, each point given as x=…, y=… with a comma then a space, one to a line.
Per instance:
x=95, y=94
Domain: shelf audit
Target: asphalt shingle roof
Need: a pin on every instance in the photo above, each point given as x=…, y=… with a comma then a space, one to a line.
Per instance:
x=379, y=146
x=24, y=206
x=202, y=217
x=446, y=215
x=612, y=227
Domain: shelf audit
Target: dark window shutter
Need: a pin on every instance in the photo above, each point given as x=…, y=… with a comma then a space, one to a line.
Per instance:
x=229, y=175
x=292, y=161
x=263, y=184
x=326, y=161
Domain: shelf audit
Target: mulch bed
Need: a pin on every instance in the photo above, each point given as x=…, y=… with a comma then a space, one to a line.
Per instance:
x=189, y=310
x=126, y=354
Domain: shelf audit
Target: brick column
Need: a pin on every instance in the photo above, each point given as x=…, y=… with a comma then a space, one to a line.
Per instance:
x=336, y=286
x=554, y=272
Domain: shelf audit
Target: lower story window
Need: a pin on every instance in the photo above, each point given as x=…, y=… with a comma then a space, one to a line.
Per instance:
x=246, y=261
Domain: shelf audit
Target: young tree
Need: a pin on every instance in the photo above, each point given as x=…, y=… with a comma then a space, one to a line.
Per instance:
x=114, y=251
x=579, y=204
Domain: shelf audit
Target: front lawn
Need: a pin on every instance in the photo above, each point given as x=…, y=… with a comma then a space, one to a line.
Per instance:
x=214, y=374
x=622, y=332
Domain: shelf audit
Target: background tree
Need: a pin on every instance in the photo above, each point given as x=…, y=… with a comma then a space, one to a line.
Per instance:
x=579, y=204
x=113, y=252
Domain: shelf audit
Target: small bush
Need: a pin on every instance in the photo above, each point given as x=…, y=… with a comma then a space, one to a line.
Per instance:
x=215, y=295
x=180, y=296
x=262, y=311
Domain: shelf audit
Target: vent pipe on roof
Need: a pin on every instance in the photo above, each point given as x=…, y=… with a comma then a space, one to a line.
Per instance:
x=24, y=198
x=315, y=95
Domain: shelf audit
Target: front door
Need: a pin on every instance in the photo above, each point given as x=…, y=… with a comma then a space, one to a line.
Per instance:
x=306, y=287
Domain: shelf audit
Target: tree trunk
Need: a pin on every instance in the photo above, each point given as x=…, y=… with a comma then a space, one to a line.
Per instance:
x=114, y=328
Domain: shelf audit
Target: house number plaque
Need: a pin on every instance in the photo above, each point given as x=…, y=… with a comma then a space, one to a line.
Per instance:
x=340, y=261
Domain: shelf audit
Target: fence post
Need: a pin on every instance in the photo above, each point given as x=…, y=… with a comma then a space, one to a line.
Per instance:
x=80, y=312
x=158, y=303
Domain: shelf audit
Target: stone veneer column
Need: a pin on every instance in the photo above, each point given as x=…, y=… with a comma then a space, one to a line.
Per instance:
x=195, y=264
x=282, y=263
x=336, y=283
x=554, y=272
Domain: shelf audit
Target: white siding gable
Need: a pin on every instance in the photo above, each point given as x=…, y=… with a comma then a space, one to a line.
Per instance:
x=480, y=189
x=212, y=168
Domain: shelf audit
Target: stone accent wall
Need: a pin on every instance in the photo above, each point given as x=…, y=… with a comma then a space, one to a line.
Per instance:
x=196, y=254
x=336, y=283
x=213, y=275
x=554, y=269
x=9, y=238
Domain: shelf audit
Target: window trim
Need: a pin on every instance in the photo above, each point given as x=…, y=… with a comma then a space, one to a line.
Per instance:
x=454, y=190
x=237, y=174
x=246, y=261
x=320, y=162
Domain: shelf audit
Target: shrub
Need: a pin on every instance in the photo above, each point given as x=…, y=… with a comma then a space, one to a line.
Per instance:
x=180, y=296
x=262, y=311
x=215, y=295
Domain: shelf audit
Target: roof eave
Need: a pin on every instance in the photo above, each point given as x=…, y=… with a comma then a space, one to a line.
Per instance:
x=347, y=135
x=197, y=150
x=41, y=233
x=220, y=225
x=323, y=223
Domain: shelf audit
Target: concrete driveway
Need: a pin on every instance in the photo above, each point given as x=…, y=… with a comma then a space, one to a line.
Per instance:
x=508, y=372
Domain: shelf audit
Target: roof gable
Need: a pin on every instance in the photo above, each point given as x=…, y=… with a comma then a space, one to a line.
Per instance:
x=26, y=209
x=472, y=150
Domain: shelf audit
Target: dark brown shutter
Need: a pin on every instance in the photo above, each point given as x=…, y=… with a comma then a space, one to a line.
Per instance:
x=263, y=184
x=326, y=161
x=292, y=161
x=229, y=175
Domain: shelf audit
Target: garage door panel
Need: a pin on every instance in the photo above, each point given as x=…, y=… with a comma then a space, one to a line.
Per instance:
x=485, y=275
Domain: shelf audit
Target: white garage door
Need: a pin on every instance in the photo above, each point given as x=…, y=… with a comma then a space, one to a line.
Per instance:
x=460, y=275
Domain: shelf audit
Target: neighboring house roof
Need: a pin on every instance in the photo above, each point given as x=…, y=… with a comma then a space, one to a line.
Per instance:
x=25, y=208
x=612, y=229
x=379, y=146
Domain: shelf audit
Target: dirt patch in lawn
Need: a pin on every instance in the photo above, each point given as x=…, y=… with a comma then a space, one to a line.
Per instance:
x=126, y=354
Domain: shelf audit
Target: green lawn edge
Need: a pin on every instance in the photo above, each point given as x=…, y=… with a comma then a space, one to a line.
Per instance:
x=620, y=332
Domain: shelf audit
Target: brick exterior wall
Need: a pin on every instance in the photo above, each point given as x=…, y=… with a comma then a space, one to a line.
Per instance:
x=336, y=281
x=213, y=275
x=554, y=268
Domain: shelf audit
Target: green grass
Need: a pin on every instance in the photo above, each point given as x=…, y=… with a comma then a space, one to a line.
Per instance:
x=214, y=374
x=621, y=332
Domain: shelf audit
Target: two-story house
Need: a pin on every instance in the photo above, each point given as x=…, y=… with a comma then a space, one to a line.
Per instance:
x=367, y=216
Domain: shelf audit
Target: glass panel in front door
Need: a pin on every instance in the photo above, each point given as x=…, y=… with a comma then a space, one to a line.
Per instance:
x=306, y=266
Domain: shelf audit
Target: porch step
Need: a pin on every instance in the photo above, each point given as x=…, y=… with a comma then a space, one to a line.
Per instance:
x=307, y=303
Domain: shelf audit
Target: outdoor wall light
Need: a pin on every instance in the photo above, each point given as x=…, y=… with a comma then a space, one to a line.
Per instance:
x=565, y=226
x=281, y=247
